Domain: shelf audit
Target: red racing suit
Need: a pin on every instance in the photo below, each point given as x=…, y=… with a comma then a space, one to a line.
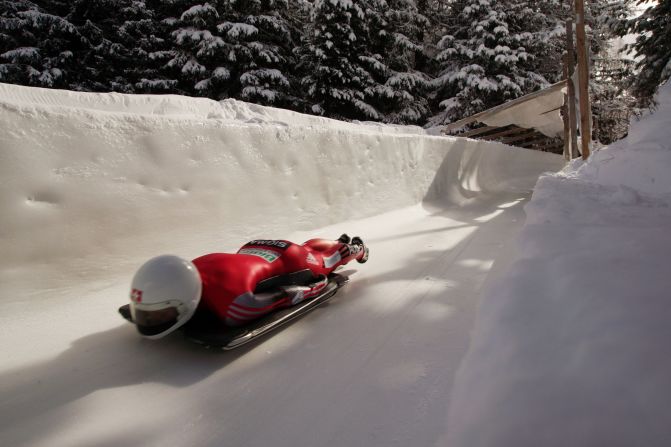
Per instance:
x=265, y=275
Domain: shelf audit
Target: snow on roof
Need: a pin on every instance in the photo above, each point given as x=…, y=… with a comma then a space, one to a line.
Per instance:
x=539, y=110
x=541, y=113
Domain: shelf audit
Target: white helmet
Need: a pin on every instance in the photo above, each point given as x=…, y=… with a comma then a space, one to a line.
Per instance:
x=164, y=295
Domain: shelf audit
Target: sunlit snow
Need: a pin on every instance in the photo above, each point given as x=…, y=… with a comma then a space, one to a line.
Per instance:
x=571, y=341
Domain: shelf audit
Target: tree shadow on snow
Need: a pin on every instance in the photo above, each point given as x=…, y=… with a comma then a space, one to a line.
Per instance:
x=410, y=317
x=421, y=313
x=114, y=358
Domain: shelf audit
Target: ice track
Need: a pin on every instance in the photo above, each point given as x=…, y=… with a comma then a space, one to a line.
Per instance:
x=91, y=189
x=374, y=367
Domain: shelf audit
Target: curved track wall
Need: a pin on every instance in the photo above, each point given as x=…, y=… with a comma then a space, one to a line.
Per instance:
x=88, y=177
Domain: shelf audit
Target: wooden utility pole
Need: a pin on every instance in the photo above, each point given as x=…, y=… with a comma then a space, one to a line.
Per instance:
x=564, y=115
x=583, y=78
x=572, y=116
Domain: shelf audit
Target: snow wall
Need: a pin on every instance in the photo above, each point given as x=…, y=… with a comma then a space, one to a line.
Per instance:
x=93, y=180
x=571, y=347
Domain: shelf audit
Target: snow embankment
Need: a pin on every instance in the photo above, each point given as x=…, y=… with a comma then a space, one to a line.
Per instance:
x=94, y=182
x=572, y=345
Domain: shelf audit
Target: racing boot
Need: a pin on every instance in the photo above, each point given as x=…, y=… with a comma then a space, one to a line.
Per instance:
x=356, y=240
x=344, y=238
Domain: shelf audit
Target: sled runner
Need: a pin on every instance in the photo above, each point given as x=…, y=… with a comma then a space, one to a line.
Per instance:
x=211, y=333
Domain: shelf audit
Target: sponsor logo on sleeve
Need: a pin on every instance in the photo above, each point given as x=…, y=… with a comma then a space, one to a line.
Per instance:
x=267, y=255
x=282, y=245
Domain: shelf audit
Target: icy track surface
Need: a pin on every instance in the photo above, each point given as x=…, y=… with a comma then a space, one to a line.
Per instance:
x=95, y=184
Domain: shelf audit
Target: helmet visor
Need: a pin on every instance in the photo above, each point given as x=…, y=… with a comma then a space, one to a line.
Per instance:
x=152, y=322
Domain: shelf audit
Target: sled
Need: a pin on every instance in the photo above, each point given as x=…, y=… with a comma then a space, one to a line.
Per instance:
x=213, y=334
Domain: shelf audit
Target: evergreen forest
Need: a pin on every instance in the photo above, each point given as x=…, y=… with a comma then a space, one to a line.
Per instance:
x=422, y=62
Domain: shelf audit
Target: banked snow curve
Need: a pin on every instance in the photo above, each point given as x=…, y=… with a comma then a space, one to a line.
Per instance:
x=87, y=176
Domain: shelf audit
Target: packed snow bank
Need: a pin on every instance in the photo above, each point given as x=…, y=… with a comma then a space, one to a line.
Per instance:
x=181, y=107
x=95, y=181
x=572, y=345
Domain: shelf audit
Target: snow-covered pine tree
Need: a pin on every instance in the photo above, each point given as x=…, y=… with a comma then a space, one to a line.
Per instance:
x=486, y=57
x=264, y=51
x=336, y=59
x=37, y=47
x=612, y=105
x=295, y=19
x=653, y=45
x=230, y=49
x=144, y=35
x=396, y=39
x=437, y=13
x=201, y=58
x=102, y=64
x=159, y=56
x=549, y=30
